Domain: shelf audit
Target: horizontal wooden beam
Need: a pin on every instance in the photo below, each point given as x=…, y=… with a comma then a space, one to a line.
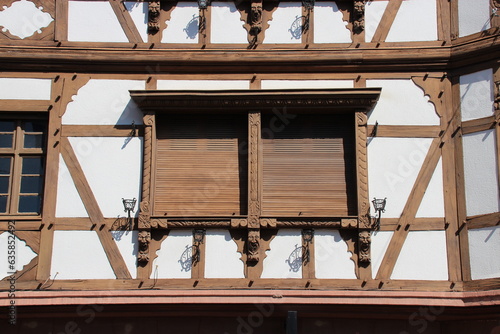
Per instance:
x=100, y=131
x=404, y=131
x=481, y=221
x=25, y=105
x=477, y=125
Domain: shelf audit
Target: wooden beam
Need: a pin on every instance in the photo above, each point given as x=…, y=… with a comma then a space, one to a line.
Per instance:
x=386, y=21
x=404, y=131
x=25, y=105
x=61, y=29
x=99, y=131
x=113, y=253
x=477, y=125
x=444, y=20
x=410, y=210
x=128, y=25
x=481, y=221
x=81, y=183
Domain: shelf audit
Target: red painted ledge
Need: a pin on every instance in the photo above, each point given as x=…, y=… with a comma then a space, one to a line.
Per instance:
x=317, y=297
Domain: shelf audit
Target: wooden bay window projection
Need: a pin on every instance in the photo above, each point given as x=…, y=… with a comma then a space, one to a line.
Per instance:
x=222, y=159
x=21, y=166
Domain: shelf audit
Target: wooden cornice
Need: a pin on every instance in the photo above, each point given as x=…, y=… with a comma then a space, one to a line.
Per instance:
x=353, y=99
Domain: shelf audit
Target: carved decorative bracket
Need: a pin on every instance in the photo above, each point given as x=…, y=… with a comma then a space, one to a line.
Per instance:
x=364, y=243
x=154, y=17
x=256, y=18
x=359, y=16
x=253, y=245
x=144, y=238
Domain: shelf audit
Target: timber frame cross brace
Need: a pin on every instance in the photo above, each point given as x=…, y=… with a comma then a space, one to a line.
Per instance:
x=356, y=101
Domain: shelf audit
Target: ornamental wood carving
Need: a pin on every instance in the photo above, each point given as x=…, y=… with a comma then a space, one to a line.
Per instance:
x=497, y=96
x=255, y=20
x=254, y=200
x=144, y=238
x=364, y=243
x=359, y=16
x=364, y=220
x=154, y=17
x=253, y=245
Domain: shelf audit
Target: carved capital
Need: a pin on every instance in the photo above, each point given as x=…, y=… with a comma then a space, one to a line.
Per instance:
x=364, y=219
x=361, y=119
x=364, y=243
x=144, y=215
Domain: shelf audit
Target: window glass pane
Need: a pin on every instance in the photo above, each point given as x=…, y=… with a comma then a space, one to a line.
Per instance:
x=4, y=184
x=7, y=126
x=29, y=203
x=33, y=141
x=31, y=184
x=32, y=165
x=5, y=165
x=3, y=203
x=5, y=141
x=37, y=126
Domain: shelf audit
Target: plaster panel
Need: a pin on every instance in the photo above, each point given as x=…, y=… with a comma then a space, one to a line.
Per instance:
x=432, y=204
x=104, y=102
x=25, y=89
x=281, y=260
x=69, y=203
x=222, y=259
x=226, y=25
x=23, y=18
x=373, y=14
x=306, y=84
x=423, y=257
x=379, y=245
x=23, y=254
x=128, y=246
x=139, y=13
x=393, y=166
x=484, y=247
x=333, y=260
x=416, y=20
x=473, y=16
x=476, y=95
x=79, y=255
x=93, y=21
x=329, y=25
x=174, y=256
x=401, y=102
x=282, y=28
x=203, y=84
x=112, y=166
x=480, y=166
x=183, y=24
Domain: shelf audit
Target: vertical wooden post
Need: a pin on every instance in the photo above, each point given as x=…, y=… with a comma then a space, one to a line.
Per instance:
x=61, y=27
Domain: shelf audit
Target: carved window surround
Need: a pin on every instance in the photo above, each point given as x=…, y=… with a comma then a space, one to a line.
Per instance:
x=356, y=102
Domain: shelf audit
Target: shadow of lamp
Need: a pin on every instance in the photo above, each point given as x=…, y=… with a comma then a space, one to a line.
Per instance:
x=379, y=206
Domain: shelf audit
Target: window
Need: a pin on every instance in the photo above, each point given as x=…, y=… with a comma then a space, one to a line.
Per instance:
x=22, y=147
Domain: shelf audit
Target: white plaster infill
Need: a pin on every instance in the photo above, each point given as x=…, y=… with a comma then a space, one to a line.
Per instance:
x=22, y=19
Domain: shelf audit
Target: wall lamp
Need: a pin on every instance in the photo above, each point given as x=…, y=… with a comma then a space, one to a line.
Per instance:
x=129, y=205
x=379, y=206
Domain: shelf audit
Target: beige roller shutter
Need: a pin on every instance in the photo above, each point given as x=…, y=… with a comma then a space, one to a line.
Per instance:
x=309, y=167
x=199, y=170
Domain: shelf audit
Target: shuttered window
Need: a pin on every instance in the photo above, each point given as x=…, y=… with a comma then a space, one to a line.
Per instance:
x=309, y=167
x=201, y=165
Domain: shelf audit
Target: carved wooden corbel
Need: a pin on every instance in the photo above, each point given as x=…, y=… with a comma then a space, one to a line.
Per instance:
x=359, y=16
x=256, y=18
x=364, y=242
x=253, y=245
x=153, y=17
x=144, y=238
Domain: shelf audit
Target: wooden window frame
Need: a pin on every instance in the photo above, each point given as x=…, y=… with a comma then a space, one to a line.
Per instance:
x=17, y=152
